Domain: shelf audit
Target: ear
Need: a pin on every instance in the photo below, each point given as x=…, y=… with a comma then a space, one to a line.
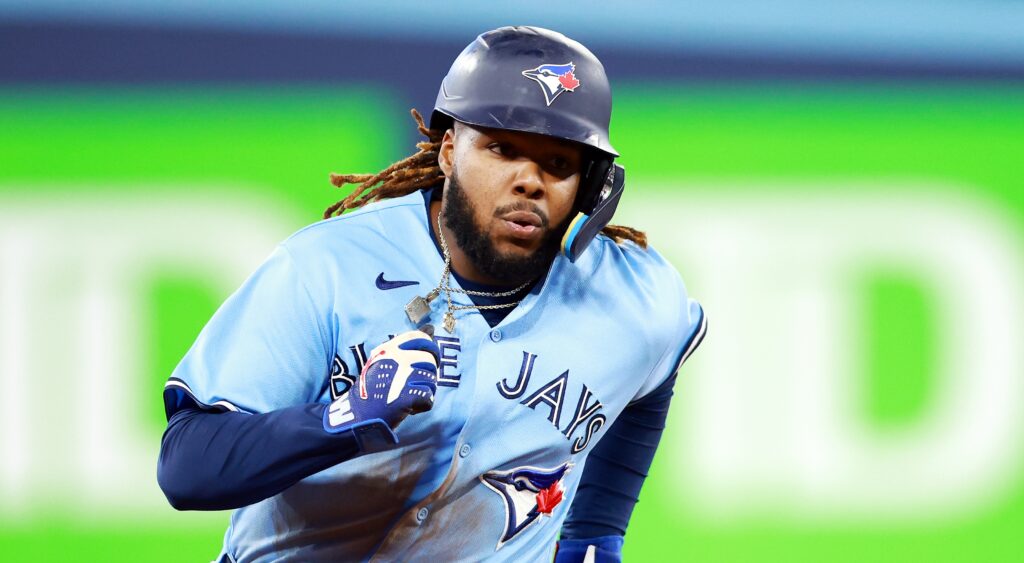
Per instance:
x=445, y=156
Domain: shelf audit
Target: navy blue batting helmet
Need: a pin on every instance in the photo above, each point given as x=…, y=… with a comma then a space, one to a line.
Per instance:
x=539, y=81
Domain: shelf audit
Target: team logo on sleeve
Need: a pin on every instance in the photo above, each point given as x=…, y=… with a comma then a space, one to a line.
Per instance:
x=554, y=79
x=527, y=493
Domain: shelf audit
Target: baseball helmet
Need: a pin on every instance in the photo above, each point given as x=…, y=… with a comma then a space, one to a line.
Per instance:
x=539, y=81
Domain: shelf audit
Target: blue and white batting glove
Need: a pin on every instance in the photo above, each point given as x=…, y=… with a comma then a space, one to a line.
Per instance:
x=399, y=379
x=604, y=549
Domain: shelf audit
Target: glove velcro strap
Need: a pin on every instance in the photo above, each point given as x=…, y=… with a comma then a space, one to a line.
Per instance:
x=374, y=435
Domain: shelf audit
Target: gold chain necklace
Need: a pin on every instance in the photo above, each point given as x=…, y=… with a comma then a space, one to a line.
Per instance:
x=419, y=308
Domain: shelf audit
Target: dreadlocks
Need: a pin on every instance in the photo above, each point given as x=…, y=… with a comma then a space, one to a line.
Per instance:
x=422, y=171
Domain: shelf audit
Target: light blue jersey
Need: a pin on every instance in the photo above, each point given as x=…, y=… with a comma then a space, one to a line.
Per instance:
x=491, y=470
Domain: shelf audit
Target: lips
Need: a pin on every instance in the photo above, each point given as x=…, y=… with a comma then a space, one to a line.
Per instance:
x=525, y=218
x=523, y=224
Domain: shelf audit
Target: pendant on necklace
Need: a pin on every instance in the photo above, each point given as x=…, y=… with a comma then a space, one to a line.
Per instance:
x=419, y=308
x=449, y=322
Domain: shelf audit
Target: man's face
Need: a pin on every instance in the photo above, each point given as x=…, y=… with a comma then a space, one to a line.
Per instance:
x=509, y=197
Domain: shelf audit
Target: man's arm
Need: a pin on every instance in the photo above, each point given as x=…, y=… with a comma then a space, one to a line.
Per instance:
x=615, y=471
x=216, y=461
x=611, y=481
x=222, y=460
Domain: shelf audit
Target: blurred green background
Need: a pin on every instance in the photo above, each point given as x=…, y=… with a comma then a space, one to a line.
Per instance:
x=856, y=236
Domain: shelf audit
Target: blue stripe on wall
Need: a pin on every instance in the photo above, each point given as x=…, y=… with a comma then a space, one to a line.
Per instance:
x=106, y=54
x=977, y=32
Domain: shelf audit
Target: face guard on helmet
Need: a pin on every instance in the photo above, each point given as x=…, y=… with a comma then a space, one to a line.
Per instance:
x=535, y=80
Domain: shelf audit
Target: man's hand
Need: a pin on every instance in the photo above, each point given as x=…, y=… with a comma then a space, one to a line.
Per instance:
x=399, y=379
x=604, y=549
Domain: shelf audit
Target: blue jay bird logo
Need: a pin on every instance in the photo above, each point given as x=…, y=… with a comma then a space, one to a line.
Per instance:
x=527, y=493
x=554, y=79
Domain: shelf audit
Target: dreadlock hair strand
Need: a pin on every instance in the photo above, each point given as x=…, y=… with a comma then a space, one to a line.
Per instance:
x=401, y=178
x=620, y=233
x=420, y=171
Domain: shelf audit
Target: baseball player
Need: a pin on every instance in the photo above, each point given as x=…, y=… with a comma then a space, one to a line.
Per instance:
x=471, y=364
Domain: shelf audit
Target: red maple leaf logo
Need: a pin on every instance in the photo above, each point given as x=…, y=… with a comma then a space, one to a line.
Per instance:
x=568, y=81
x=549, y=498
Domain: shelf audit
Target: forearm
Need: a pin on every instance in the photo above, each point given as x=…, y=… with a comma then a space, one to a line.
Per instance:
x=217, y=461
x=616, y=469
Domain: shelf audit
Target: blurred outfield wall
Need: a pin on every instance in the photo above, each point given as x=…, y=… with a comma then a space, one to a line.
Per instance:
x=858, y=245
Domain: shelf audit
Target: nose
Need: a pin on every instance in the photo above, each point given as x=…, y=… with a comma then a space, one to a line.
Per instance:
x=529, y=179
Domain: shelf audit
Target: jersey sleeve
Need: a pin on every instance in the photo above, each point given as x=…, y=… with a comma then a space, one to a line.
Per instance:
x=690, y=325
x=265, y=348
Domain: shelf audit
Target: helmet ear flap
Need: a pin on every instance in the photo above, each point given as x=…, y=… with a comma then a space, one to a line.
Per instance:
x=592, y=181
x=587, y=224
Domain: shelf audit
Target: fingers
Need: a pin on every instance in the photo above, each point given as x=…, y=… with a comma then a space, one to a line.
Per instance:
x=421, y=396
x=423, y=376
x=421, y=342
x=410, y=335
x=414, y=378
x=411, y=341
x=421, y=386
x=419, y=357
x=411, y=372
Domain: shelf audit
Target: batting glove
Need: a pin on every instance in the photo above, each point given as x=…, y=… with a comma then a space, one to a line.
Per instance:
x=604, y=549
x=399, y=379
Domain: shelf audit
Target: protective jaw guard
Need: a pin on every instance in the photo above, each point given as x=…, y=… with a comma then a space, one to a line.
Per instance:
x=585, y=226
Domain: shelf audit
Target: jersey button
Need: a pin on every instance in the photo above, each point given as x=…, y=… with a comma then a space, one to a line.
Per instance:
x=495, y=335
x=464, y=450
x=421, y=514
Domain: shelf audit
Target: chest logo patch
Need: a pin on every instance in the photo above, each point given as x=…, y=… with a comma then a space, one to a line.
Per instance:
x=527, y=492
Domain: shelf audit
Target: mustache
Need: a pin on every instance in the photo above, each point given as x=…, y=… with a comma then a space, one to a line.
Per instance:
x=523, y=206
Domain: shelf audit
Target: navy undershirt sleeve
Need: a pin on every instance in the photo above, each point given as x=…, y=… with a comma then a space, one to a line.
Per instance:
x=615, y=470
x=222, y=460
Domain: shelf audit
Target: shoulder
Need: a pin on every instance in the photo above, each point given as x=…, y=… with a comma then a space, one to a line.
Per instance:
x=643, y=289
x=368, y=229
x=642, y=273
x=654, y=304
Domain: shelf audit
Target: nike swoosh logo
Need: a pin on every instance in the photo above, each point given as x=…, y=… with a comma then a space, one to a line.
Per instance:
x=385, y=285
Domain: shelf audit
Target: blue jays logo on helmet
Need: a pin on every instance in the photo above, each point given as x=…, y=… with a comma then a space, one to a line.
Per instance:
x=527, y=493
x=554, y=79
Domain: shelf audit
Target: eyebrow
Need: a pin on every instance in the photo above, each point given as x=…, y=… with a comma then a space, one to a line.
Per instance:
x=558, y=145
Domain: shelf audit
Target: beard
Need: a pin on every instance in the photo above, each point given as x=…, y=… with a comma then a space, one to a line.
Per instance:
x=476, y=242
